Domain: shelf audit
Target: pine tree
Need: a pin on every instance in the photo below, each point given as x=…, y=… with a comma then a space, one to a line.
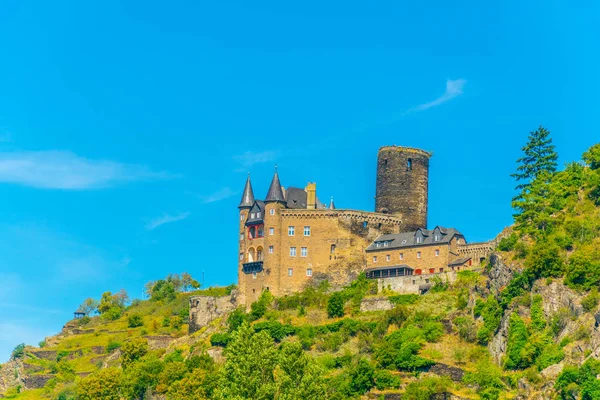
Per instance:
x=539, y=157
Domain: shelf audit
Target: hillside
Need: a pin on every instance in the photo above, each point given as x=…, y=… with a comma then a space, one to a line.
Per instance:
x=524, y=326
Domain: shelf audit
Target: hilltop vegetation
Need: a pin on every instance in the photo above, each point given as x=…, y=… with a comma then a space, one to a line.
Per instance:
x=522, y=327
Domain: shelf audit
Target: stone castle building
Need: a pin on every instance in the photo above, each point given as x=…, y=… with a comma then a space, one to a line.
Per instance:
x=291, y=238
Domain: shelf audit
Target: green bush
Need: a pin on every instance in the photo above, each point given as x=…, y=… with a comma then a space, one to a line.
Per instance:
x=276, y=329
x=538, y=320
x=135, y=320
x=236, y=319
x=427, y=388
x=590, y=302
x=335, y=305
x=112, y=345
x=83, y=320
x=220, y=339
x=508, y=243
x=361, y=377
x=384, y=379
x=18, y=351
x=404, y=299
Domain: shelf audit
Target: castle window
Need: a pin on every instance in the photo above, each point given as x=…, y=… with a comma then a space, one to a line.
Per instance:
x=261, y=231
x=307, y=231
x=437, y=252
x=418, y=254
x=402, y=256
x=309, y=272
x=272, y=211
x=374, y=259
x=241, y=256
x=303, y=251
x=291, y=231
x=259, y=254
x=332, y=250
x=441, y=269
x=290, y=272
x=270, y=249
x=253, y=276
x=271, y=231
x=292, y=252
x=241, y=217
x=387, y=257
x=409, y=164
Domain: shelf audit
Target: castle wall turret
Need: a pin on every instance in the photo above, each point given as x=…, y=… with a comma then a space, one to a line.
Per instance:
x=402, y=184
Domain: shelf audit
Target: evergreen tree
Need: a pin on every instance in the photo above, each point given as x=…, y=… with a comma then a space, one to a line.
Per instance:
x=539, y=156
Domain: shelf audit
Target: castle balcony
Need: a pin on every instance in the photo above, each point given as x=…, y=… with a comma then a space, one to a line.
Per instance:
x=252, y=267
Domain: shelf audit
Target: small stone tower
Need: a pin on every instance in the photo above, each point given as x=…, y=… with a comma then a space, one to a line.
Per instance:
x=402, y=184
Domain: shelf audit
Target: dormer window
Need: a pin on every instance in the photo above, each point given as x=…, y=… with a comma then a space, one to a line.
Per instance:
x=252, y=215
x=437, y=237
x=419, y=239
x=378, y=244
x=386, y=244
x=257, y=215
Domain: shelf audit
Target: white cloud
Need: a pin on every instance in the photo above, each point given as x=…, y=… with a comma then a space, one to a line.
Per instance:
x=454, y=88
x=249, y=158
x=218, y=195
x=166, y=219
x=66, y=170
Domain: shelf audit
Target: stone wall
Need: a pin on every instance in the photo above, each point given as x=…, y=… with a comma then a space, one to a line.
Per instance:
x=205, y=309
x=414, y=284
x=402, y=184
x=375, y=304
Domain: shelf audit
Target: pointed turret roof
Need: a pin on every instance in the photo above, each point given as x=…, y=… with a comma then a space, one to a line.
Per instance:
x=332, y=204
x=248, y=195
x=275, y=193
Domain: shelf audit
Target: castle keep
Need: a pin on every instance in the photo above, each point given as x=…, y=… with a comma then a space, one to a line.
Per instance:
x=291, y=238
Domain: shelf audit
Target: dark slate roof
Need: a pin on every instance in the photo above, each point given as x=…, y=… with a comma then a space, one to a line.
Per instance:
x=275, y=193
x=248, y=195
x=257, y=207
x=409, y=239
x=295, y=197
x=459, y=261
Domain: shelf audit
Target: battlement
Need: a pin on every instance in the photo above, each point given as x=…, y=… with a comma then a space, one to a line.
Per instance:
x=344, y=214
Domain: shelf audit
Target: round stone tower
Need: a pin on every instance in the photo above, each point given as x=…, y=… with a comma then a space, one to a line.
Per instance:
x=402, y=184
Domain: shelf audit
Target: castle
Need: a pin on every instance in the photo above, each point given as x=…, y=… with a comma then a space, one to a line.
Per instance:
x=291, y=238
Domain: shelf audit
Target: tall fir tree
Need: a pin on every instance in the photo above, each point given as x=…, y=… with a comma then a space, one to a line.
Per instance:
x=539, y=156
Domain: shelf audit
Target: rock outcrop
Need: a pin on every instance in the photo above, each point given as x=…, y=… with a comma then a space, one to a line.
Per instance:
x=376, y=304
x=205, y=309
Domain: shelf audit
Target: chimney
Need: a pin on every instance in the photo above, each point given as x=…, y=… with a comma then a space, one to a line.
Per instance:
x=311, y=195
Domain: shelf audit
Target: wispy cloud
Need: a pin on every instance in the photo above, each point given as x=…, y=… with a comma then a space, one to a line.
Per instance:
x=218, y=195
x=454, y=88
x=66, y=170
x=249, y=158
x=165, y=219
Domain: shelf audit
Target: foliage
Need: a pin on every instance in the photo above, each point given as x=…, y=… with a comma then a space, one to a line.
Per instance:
x=236, y=319
x=582, y=381
x=518, y=352
x=362, y=377
x=592, y=157
x=111, y=306
x=335, y=305
x=486, y=375
x=112, y=345
x=133, y=350
x=590, y=302
x=404, y=299
x=18, y=351
x=426, y=388
x=220, y=339
x=400, y=350
x=166, y=289
x=276, y=329
x=89, y=306
x=384, y=379
x=508, y=243
x=259, y=307
x=491, y=312
x=135, y=320
x=105, y=384
x=538, y=320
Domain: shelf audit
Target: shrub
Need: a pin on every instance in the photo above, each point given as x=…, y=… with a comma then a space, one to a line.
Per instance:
x=112, y=345
x=361, y=377
x=259, y=307
x=427, y=388
x=135, y=320
x=404, y=299
x=236, y=319
x=590, y=302
x=83, y=320
x=276, y=329
x=466, y=328
x=18, y=351
x=220, y=339
x=335, y=305
x=508, y=243
x=538, y=320
x=386, y=380
x=176, y=322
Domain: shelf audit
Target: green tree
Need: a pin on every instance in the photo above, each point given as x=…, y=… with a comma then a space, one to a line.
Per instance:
x=298, y=375
x=362, y=377
x=132, y=351
x=135, y=320
x=335, y=305
x=592, y=157
x=104, y=384
x=89, y=306
x=539, y=156
x=18, y=351
x=248, y=371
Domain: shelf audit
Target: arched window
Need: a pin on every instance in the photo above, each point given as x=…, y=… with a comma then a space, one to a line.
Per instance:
x=259, y=254
x=409, y=164
x=332, y=250
x=251, y=255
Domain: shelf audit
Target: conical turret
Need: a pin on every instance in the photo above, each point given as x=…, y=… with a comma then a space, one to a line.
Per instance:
x=275, y=193
x=247, y=196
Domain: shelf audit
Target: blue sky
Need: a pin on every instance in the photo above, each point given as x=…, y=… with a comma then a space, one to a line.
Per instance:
x=127, y=128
